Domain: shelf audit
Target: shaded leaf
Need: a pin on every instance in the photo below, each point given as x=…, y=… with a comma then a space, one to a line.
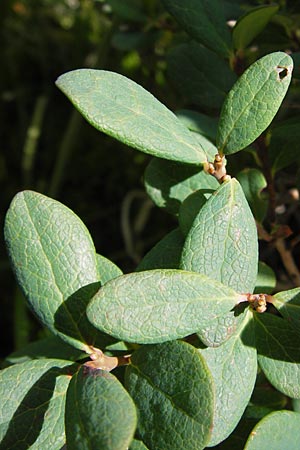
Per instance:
x=233, y=366
x=33, y=404
x=251, y=25
x=121, y=108
x=173, y=390
x=202, y=68
x=159, y=305
x=190, y=208
x=281, y=429
x=198, y=122
x=129, y=10
x=284, y=144
x=100, y=413
x=169, y=183
x=107, y=269
x=266, y=280
x=204, y=20
x=165, y=254
x=296, y=58
x=54, y=261
x=288, y=303
x=253, y=182
x=253, y=102
x=278, y=353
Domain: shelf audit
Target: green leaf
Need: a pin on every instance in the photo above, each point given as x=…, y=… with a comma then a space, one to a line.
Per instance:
x=54, y=261
x=284, y=145
x=278, y=349
x=51, y=347
x=251, y=25
x=33, y=404
x=137, y=445
x=296, y=58
x=190, y=208
x=253, y=182
x=222, y=242
x=173, y=391
x=169, y=183
x=204, y=21
x=100, y=413
x=121, y=108
x=280, y=429
x=202, y=68
x=129, y=10
x=107, y=269
x=288, y=303
x=159, y=305
x=233, y=366
x=165, y=254
x=200, y=123
x=266, y=280
x=253, y=102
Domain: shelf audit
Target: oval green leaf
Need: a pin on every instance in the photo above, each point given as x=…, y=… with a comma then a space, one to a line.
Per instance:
x=253, y=182
x=54, y=260
x=280, y=430
x=159, y=305
x=100, y=413
x=251, y=25
x=204, y=21
x=253, y=102
x=33, y=404
x=107, y=269
x=198, y=122
x=121, y=108
x=173, y=391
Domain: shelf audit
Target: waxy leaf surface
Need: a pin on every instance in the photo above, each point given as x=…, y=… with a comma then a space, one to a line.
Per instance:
x=277, y=346
x=279, y=430
x=33, y=404
x=54, y=261
x=159, y=305
x=233, y=366
x=251, y=24
x=169, y=183
x=253, y=102
x=121, y=108
x=100, y=413
x=107, y=269
x=204, y=20
x=173, y=391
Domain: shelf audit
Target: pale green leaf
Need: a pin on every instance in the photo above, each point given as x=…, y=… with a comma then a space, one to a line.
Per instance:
x=253, y=182
x=253, y=101
x=33, y=404
x=165, y=254
x=121, y=108
x=279, y=430
x=100, y=413
x=169, y=183
x=137, y=445
x=233, y=366
x=288, y=303
x=266, y=279
x=202, y=68
x=198, y=122
x=251, y=25
x=159, y=305
x=107, y=269
x=204, y=20
x=173, y=391
x=54, y=261
x=278, y=345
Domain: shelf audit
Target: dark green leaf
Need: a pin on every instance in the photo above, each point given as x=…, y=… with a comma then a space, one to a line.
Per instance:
x=266, y=280
x=121, y=108
x=296, y=59
x=200, y=123
x=279, y=430
x=107, y=269
x=165, y=254
x=253, y=182
x=251, y=25
x=233, y=366
x=190, y=208
x=278, y=349
x=54, y=260
x=204, y=20
x=159, y=305
x=202, y=68
x=129, y=10
x=284, y=145
x=253, y=102
x=100, y=413
x=288, y=303
x=173, y=390
x=169, y=183
x=33, y=404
